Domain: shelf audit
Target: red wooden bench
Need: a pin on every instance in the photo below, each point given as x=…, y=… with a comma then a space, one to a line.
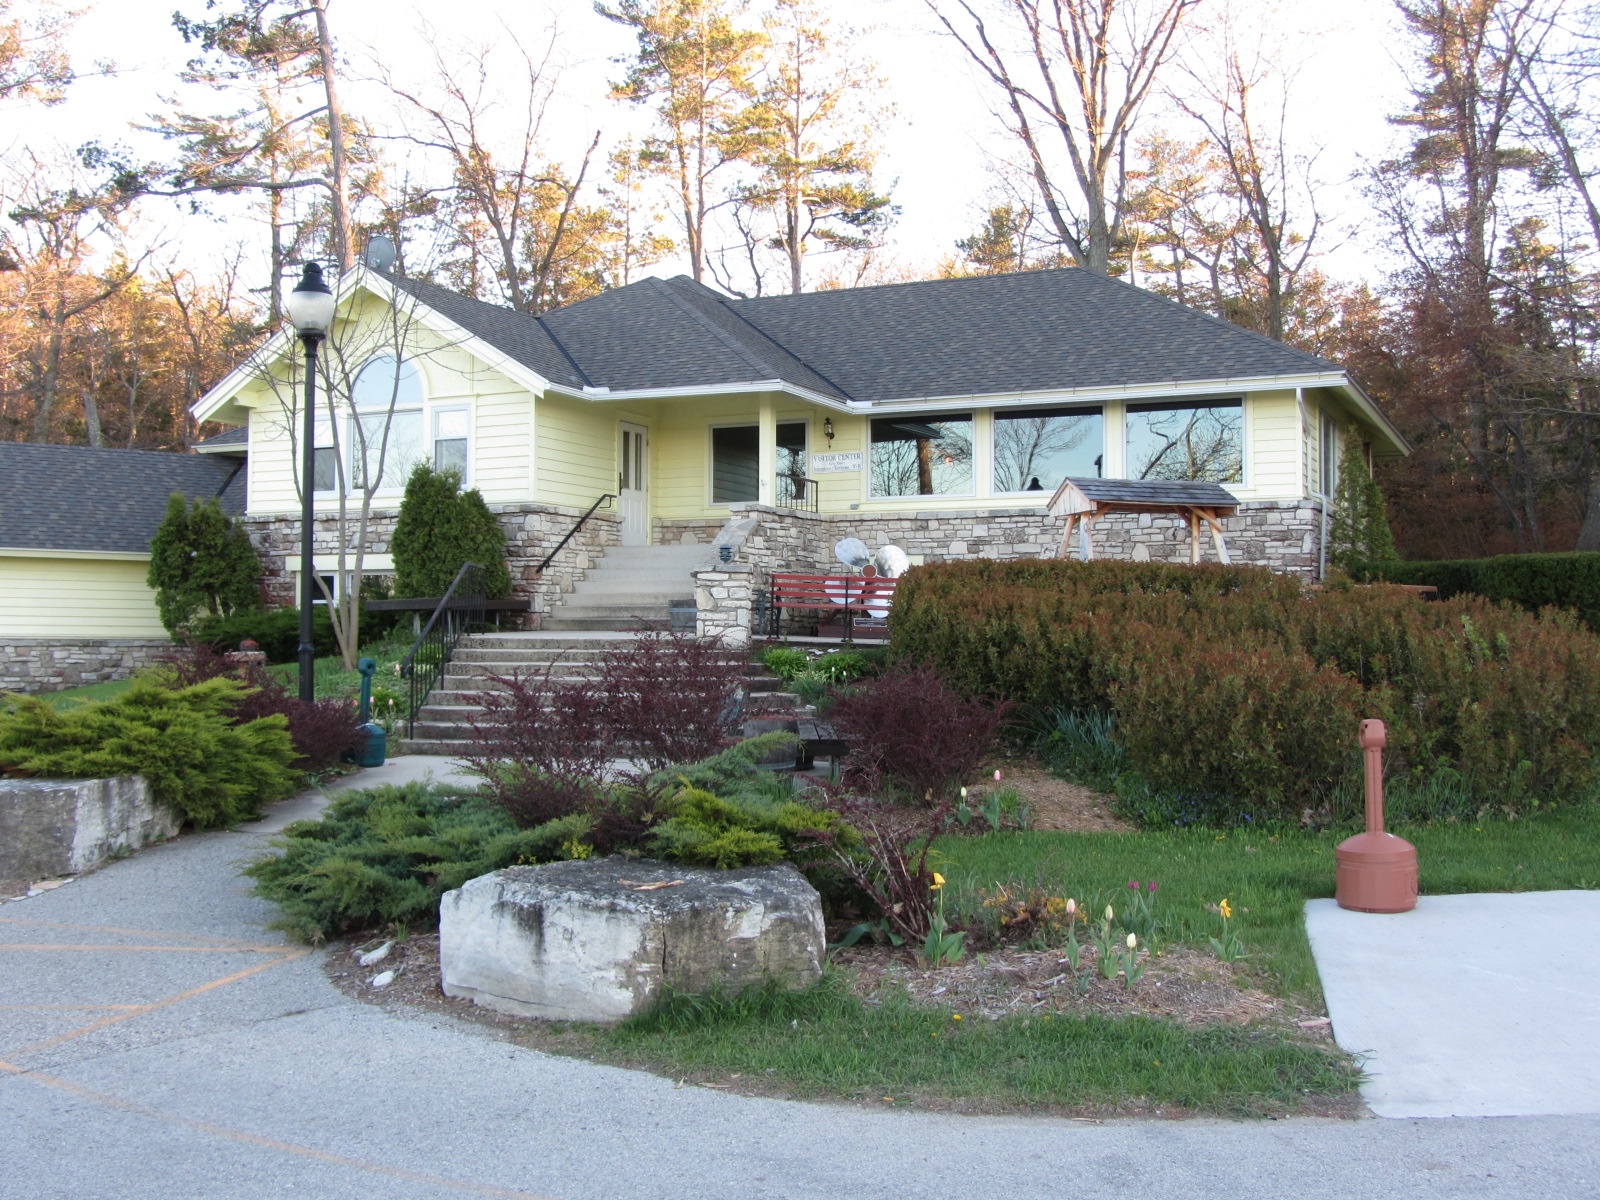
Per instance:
x=868, y=596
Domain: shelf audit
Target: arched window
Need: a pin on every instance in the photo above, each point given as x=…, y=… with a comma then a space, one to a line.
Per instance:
x=386, y=426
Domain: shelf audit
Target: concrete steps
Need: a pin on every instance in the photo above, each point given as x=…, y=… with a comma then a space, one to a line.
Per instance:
x=630, y=588
x=443, y=721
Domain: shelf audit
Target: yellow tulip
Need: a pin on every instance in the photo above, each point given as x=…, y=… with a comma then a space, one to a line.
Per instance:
x=938, y=882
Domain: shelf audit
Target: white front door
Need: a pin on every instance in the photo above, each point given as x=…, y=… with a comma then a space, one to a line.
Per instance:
x=633, y=485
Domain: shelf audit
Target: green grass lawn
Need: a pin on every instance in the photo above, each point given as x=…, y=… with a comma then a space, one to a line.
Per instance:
x=825, y=1042
x=69, y=697
x=1268, y=876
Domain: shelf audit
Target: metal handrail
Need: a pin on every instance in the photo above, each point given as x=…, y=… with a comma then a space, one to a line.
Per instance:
x=462, y=599
x=561, y=545
x=799, y=487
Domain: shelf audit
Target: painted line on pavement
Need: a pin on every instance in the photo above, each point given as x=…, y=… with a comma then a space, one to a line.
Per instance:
x=106, y=1022
x=265, y=1143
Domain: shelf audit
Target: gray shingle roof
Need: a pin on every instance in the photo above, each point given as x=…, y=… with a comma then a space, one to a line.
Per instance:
x=1036, y=331
x=229, y=441
x=85, y=499
x=1156, y=491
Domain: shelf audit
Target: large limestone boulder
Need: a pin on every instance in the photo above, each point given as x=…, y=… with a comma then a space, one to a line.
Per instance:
x=598, y=940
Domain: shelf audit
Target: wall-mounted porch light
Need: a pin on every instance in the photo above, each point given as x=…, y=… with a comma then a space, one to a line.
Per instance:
x=827, y=428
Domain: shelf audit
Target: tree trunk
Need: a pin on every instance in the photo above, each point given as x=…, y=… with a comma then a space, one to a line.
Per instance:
x=343, y=248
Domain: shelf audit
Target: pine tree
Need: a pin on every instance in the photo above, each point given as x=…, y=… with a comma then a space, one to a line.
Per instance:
x=1360, y=531
x=439, y=528
x=201, y=563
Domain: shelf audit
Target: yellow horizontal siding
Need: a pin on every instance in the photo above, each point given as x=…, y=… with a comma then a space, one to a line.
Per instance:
x=76, y=598
x=1273, y=447
x=576, y=455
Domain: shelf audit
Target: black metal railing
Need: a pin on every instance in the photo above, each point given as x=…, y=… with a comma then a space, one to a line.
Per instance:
x=561, y=545
x=460, y=608
x=797, y=491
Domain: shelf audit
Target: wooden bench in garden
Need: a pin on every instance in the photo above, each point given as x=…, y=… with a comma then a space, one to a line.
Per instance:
x=867, y=595
x=819, y=740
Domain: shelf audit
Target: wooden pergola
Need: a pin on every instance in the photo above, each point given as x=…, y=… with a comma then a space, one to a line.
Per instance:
x=1084, y=501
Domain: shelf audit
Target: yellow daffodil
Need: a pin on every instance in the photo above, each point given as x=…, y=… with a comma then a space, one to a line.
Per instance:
x=1227, y=910
x=938, y=882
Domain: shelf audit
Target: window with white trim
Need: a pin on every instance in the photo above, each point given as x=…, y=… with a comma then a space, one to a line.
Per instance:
x=1190, y=440
x=1035, y=449
x=921, y=456
x=1328, y=461
x=452, y=438
x=386, y=428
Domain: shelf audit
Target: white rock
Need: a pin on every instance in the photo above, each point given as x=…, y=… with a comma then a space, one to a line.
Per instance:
x=373, y=957
x=598, y=940
x=383, y=980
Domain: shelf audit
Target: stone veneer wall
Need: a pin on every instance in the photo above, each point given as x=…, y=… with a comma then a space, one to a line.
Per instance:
x=532, y=531
x=1283, y=536
x=51, y=664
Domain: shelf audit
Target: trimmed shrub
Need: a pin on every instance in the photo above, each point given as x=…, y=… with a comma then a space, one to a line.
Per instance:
x=439, y=528
x=201, y=564
x=1238, y=731
x=213, y=769
x=1530, y=581
x=275, y=630
x=910, y=729
x=1483, y=693
x=784, y=662
x=708, y=830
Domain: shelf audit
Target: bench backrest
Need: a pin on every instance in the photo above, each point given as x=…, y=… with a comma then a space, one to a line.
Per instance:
x=794, y=590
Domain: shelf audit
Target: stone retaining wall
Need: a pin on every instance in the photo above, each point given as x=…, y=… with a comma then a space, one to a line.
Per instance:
x=1283, y=536
x=51, y=664
x=52, y=827
x=532, y=531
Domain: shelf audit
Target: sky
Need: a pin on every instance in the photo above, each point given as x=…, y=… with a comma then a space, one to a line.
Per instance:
x=935, y=146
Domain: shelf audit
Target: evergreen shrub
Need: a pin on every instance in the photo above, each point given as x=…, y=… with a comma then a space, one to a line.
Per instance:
x=1530, y=581
x=1234, y=685
x=439, y=528
x=201, y=564
x=214, y=769
x=275, y=630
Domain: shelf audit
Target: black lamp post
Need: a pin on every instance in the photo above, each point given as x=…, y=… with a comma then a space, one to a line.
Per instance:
x=310, y=312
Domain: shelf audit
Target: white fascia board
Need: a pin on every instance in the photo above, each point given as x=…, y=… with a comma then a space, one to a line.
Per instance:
x=992, y=400
x=361, y=279
x=601, y=395
x=98, y=555
x=1375, y=416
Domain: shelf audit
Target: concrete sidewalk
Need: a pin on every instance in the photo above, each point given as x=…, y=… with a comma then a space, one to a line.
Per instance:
x=158, y=1042
x=1480, y=1005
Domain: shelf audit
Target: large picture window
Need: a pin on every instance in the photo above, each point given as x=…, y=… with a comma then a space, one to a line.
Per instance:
x=386, y=431
x=735, y=464
x=1203, y=440
x=922, y=456
x=1035, y=449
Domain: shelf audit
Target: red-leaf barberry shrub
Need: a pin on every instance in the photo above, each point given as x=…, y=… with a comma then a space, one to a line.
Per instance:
x=323, y=731
x=910, y=730
x=882, y=848
x=670, y=698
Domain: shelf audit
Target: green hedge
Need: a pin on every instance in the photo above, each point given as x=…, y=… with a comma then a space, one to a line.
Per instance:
x=1531, y=581
x=1237, y=692
x=275, y=630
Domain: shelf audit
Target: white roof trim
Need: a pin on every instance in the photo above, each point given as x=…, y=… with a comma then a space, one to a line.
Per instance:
x=46, y=552
x=362, y=279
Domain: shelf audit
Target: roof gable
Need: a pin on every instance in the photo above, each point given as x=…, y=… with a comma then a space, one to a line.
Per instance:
x=88, y=500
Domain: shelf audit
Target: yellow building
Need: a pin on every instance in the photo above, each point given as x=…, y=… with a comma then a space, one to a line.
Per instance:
x=753, y=434
x=75, y=530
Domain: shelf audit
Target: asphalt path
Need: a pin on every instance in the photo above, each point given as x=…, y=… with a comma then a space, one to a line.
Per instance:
x=157, y=1041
